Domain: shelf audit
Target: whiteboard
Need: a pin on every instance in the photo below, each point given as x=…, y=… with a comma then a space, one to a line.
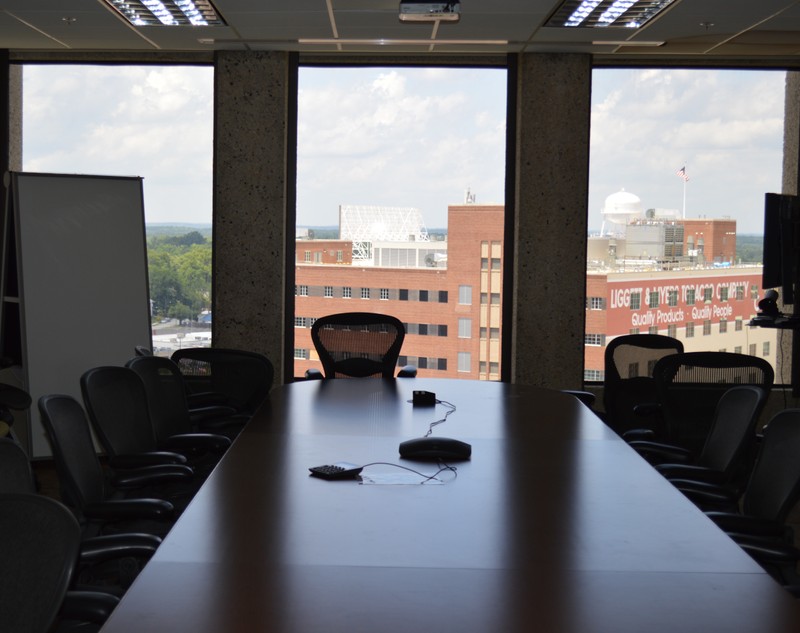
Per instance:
x=83, y=285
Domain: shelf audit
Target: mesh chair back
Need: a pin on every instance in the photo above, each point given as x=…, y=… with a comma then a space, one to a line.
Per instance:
x=236, y=378
x=166, y=395
x=629, y=364
x=774, y=486
x=116, y=403
x=358, y=344
x=15, y=469
x=691, y=384
x=733, y=430
x=79, y=471
x=39, y=541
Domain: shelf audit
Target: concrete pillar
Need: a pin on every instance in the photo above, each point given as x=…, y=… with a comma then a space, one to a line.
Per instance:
x=254, y=97
x=551, y=199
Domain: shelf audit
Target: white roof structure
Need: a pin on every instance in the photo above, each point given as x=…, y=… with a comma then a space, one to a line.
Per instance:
x=366, y=224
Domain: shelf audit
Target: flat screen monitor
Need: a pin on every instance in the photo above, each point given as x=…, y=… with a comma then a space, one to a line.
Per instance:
x=781, y=244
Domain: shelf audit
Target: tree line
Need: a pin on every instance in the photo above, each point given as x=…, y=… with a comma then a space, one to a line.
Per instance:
x=180, y=275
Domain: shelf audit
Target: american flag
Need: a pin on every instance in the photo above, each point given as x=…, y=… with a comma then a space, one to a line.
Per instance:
x=681, y=173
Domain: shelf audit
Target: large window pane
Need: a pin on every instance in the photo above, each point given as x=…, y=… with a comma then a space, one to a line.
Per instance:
x=680, y=162
x=404, y=168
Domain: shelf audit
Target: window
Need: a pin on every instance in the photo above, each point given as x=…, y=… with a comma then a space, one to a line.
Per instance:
x=653, y=329
x=636, y=300
x=443, y=296
x=465, y=295
x=708, y=293
x=594, y=339
x=317, y=257
x=754, y=291
x=441, y=364
x=689, y=329
x=737, y=349
x=723, y=326
x=347, y=292
x=495, y=298
x=765, y=348
x=593, y=375
x=464, y=362
x=672, y=330
x=495, y=263
x=384, y=294
x=403, y=294
x=740, y=293
x=300, y=354
x=597, y=303
x=422, y=363
x=443, y=330
x=422, y=329
x=706, y=327
x=483, y=332
x=484, y=298
x=484, y=263
x=328, y=291
x=365, y=293
x=737, y=324
x=299, y=321
x=690, y=300
x=633, y=370
x=653, y=299
x=307, y=256
x=423, y=295
x=633, y=330
x=339, y=256
x=302, y=290
x=672, y=298
x=752, y=349
x=723, y=293
x=464, y=328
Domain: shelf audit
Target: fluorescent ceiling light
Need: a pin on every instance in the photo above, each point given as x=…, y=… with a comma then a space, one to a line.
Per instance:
x=427, y=11
x=168, y=12
x=396, y=42
x=606, y=13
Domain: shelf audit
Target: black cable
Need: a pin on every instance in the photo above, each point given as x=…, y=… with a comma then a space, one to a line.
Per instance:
x=451, y=409
x=442, y=468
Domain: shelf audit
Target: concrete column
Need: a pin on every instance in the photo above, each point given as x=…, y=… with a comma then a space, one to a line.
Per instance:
x=253, y=97
x=551, y=198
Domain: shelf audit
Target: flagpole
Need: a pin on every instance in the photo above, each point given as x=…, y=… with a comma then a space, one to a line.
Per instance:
x=684, y=198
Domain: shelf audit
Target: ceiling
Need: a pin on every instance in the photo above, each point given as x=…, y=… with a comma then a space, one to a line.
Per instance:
x=760, y=32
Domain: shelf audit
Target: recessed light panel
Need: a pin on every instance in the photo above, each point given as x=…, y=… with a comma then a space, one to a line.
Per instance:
x=606, y=13
x=168, y=12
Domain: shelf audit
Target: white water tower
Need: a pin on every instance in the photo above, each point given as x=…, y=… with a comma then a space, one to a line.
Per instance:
x=621, y=208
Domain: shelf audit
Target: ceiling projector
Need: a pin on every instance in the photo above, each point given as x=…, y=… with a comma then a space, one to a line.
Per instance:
x=426, y=11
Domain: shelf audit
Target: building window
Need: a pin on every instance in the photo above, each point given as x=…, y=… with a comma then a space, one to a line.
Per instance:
x=495, y=263
x=443, y=330
x=329, y=291
x=672, y=330
x=403, y=294
x=465, y=328
x=737, y=349
x=339, y=256
x=317, y=257
x=299, y=321
x=765, y=348
x=594, y=339
x=672, y=298
x=689, y=329
x=443, y=296
x=706, y=327
x=483, y=333
x=690, y=296
x=636, y=300
x=495, y=298
x=752, y=348
x=300, y=353
x=753, y=291
x=723, y=293
x=465, y=295
x=423, y=295
x=494, y=333
x=708, y=293
x=484, y=298
x=740, y=293
x=633, y=370
x=347, y=292
x=365, y=293
x=597, y=303
x=634, y=330
x=593, y=375
x=723, y=326
x=653, y=299
x=442, y=364
x=384, y=294
x=484, y=263
x=422, y=329
x=307, y=256
x=653, y=329
x=302, y=290
x=737, y=324
x=422, y=363
x=464, y=362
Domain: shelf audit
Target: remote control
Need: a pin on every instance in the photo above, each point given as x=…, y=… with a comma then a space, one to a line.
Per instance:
x=339, y=470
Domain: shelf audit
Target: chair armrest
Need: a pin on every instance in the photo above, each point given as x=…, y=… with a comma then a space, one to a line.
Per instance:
x=314, y=374
x=767, y=551
x=708, y=496
x=658, y=453
x=635, y=435
x=747, y=526
x=645, y=409
x=207, y=399
x=691, y=473
x=210, y=413
x=586, y=397
x=198, y=442
x=150, y=458
x=155, y=474
x=98, y=549
x=407, y=371
x=87, y=606
x=121, y=509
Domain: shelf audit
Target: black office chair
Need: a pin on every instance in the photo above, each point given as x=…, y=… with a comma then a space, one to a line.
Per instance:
x=169, y=412
x=122, y=504
x=11, y=398
x=359, y=345
x=215, y=376
x=109, y=562
x=690, y=384
x=116, y=403
x=724, y=458
x=757, y=521
x=629, y=385
x=39, y=544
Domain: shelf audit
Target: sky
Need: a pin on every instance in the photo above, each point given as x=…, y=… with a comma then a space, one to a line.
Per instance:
x=415, y=137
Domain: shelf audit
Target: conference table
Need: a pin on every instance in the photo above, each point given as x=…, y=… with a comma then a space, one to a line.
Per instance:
x=554, y=525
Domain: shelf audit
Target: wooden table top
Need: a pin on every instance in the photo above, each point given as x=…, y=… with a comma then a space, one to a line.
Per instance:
x=554, y=525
